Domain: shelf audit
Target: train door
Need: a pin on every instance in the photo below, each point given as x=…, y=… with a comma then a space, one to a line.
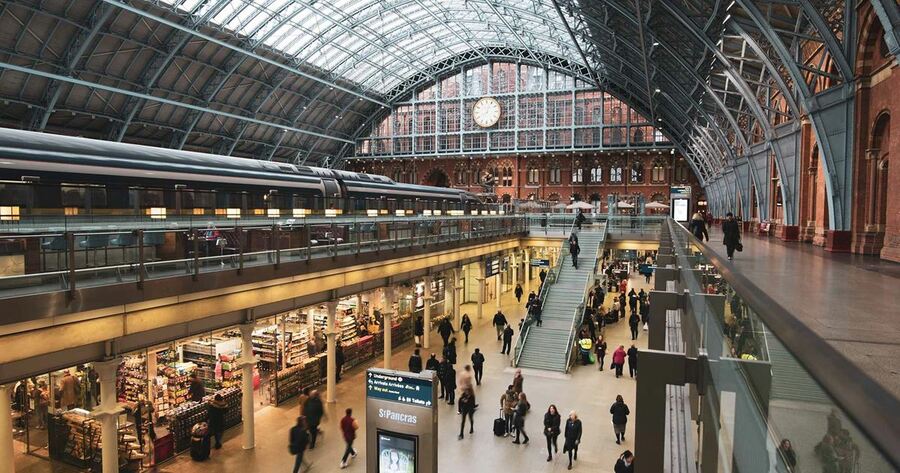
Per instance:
x=332, y=193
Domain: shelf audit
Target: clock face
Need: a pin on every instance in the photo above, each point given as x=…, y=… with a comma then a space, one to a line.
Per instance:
x=486, y=112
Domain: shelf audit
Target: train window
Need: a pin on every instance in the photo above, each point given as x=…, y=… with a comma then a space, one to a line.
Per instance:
x=72, y=196
x=198, y=200
x=13, y=194
x=151, y=198
x=305, y=170
x=97, y=197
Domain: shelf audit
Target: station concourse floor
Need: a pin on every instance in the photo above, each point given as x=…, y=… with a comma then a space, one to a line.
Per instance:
x=852, y=301
x=586, y=390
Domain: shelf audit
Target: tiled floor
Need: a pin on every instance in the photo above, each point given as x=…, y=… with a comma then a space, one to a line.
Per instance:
x=851, y=301
x=585, y=389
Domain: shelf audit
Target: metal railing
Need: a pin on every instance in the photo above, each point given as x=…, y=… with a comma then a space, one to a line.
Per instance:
x=53, y=262
x=577, y=319
x=851, y=426
x=633, y=225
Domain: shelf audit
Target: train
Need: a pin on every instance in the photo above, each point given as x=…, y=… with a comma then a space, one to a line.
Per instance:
x=43, y=174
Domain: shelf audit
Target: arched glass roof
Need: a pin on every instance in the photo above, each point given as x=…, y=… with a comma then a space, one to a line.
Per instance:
x=379, y=43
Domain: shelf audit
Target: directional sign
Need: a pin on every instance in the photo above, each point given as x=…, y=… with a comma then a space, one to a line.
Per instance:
x=540, y=262
x=396, y=387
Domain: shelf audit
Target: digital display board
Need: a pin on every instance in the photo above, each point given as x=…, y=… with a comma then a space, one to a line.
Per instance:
x=399, y=388
x=540, y=263
x=491, y=267
x=680, y=210
x=396, y=453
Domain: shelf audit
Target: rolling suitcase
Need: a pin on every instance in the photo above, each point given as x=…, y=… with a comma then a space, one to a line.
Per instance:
x=500, y=426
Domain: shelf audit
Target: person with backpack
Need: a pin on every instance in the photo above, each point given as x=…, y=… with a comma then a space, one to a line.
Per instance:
x=415, y=362
x=349, y=426
x=551, y=430
x=572, y=436
x=620, y=412
x=299, y=439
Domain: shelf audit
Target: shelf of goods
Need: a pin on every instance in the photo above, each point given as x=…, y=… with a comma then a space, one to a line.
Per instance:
x=159, y=383
x=190, y=413
x=215, y=360
x=265, y=343
x=289, y=382
x=177, y=382
x=132, y=378
x=74, y=438
x=296, y=351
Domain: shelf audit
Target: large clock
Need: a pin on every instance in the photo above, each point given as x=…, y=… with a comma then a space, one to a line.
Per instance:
x=486, y=112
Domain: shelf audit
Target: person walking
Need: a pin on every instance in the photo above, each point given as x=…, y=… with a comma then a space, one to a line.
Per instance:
x=574, y=249
x=625, y=463
x=732, y=235
x=632, y=301
x=622, y=307
x=196, y=390
x=499, y=323
x=620, y=414
x=314, y=411
x=551, y=430
x=339, y=361
x=466, y=326
x=442, y=369
x=522, y=408
x=572, y=436
x=518, y=381
x=216, y=413
x=432, y=364
x=299, y=440
x=478, y=365
x=632, y=360
x=466, y=409
x=419, y=330
x=634, y=322
x=542, y=275
x=415, y=362
x=450, y=381
x=349, y=426
x=698, y=226
x=531, y=296
x=450, y=351
x=537, y=311
x=645, y=313
x=445, y=329
x=579, y=219
x=507, y=340
x=600, y=351
x=518, y=292
x=466, y=381
x=618, y=360
x=508, y=406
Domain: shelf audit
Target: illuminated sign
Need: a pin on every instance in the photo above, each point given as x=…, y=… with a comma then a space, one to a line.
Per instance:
x=396, y=387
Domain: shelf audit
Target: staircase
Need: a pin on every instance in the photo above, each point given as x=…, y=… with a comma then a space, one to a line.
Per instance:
x=546, y=347
x=789, y=380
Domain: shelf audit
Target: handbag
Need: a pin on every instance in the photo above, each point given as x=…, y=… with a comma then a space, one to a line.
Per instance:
x=739, y=247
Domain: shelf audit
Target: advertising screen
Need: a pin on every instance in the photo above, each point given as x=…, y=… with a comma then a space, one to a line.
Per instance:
x=680, y=210
x=396, y=453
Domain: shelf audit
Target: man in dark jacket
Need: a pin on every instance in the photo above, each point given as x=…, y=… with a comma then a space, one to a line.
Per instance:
x=466, y=409
x=633, y=321
x=415, y=362
x=313, y=411
x=499, y=322
x=445, y=329
x=419, y=331
x=478, y=365
x=217, y=408
x=339, y=360
x=632, y=360
x=536, y=308
x=196, y=390
x=450, y=382
x=542, y=275
x=450, y=351
x=299, y=439
x=732, y=232
x=507, y=340
x=442, y=369
x=518, y=292
x=572, y=434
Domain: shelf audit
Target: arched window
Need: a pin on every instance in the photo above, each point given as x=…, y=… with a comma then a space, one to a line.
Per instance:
x=637, y=172
x=577, y=173
x=596, y=174
x=658, y=172
x=681, y=171
x=615, y=173
x=507, y=176
x=555, y=176
x=533, y=176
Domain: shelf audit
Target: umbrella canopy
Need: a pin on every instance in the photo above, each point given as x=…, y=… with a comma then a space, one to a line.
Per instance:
x=624, y=205
x=559, y=206
x=580, y=205
x=656, y=205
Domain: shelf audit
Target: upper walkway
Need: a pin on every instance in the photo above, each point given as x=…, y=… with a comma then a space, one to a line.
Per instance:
x=846, y=299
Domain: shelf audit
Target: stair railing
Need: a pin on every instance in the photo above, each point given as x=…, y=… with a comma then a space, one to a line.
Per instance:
x=577, y=317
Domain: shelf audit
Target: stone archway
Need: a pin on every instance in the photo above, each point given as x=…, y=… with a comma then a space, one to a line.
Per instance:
x=437, y=178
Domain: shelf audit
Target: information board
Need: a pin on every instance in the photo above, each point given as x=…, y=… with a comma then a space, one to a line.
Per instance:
x=399, y=388
x=680, y=210
x=540, y=263
x=491, y=267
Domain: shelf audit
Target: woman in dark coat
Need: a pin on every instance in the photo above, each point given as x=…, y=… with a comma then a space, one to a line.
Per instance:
x=450, y=351
x=698, y=226
x=620, y=412
x=732, y=232
x=551, y=430
x=466, y=326
x=573, y=436
x=600, y=351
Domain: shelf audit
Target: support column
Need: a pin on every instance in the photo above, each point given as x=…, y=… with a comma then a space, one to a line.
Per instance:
x=514, y=261
x=390, y=308
x=427, y=298
x=527, y=272
x=108, y=414
x=457, y=296
x=247, y=363
x=331, y=351
x=499, y=287
x=479, y=310
x=7, y=464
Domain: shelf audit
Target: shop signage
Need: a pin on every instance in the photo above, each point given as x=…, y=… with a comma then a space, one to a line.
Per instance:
x=540, y=262
x=396, y=387
x=491, y=267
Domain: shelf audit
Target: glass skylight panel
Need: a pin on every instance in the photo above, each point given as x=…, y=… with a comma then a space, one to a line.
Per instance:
x=405, y=35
